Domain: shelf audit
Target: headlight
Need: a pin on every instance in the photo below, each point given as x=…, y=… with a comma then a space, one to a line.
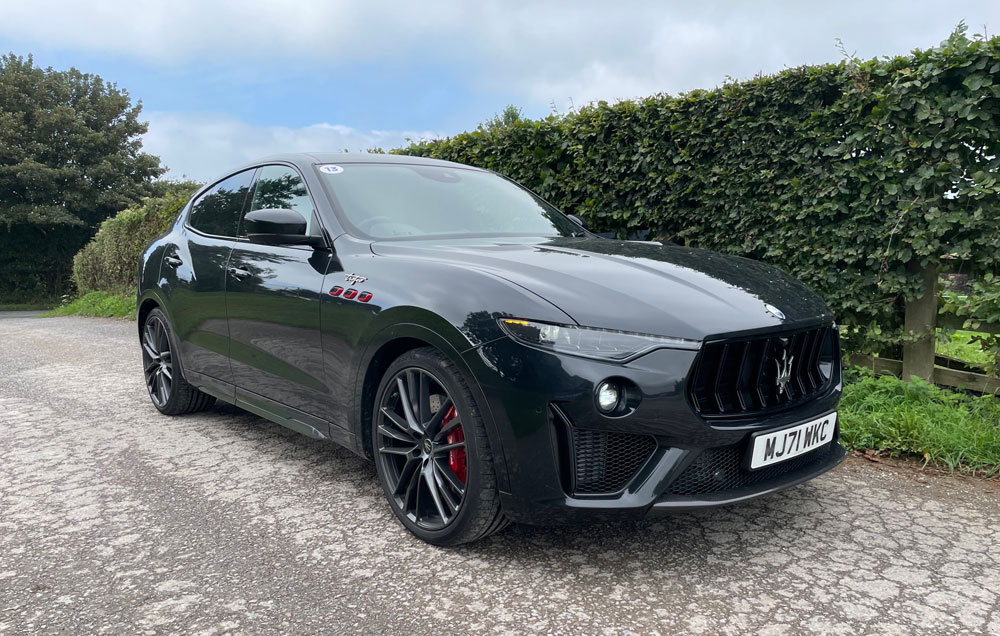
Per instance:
x=589, y=342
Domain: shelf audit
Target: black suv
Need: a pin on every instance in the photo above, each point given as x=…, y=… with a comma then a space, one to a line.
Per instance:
x=497, y=361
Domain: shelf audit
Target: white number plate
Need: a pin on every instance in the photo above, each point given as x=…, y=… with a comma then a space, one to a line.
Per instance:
x=771, y=448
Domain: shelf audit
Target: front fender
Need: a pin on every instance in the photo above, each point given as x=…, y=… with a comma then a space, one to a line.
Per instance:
x=413, y=323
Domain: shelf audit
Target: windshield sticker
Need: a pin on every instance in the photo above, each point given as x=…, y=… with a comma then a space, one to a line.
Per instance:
x=328, y=169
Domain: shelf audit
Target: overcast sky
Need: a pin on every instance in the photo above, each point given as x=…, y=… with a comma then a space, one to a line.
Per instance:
x=223, y=81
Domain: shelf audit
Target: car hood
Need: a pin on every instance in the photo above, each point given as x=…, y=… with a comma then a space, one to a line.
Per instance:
x=633, y=286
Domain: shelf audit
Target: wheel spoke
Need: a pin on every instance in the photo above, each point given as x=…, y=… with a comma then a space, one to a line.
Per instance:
x=443, y=492
x=432, y=487
x=398, y=422
x=151, y=381
x=396, y=450
x=433, y=428
x=424, y=400
x=151, y=365
x=448, y=477
x=449, y=427
x=160, y=337
x=166, y=371
x=444, y=450
x=162, y=387
x=150, y=339
x=404, y=397
x=394, y=434
x=406, y=479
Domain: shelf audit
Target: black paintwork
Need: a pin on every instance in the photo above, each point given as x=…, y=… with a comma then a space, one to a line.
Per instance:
x=258, y=328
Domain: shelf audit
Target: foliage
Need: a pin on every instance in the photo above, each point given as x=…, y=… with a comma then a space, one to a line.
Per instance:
x=982, y=305
x=946, y=427
x=110, y=261
x=502, y=120
x=963, y=345
x=70, y=156
x=852, y=176
x=98, y=304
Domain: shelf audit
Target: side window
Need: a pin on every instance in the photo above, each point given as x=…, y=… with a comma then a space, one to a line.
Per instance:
x=282, y=187
x=218, y=211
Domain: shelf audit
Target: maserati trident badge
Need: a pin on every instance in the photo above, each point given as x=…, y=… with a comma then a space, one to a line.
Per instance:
x=355, y=279
x=774, y=311
x=784, y=372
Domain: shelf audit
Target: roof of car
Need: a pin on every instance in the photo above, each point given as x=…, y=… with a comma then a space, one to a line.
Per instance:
x=306, y=158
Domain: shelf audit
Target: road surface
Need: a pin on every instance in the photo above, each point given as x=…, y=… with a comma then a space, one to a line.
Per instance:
x=114, y=519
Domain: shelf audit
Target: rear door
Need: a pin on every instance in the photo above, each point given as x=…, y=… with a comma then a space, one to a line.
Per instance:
x=273, y=304
x=194, y=273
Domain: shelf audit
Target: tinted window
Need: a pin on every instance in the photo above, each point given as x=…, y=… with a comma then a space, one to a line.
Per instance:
x=387, y=201
x=218, y=210
x=282, y=187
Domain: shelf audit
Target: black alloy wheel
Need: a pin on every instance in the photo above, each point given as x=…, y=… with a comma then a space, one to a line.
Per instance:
x=157, y=361
x=170, y=392
x=432, y=454
x=421, y=445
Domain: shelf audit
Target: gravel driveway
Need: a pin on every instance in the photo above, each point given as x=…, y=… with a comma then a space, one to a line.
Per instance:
x=116, y=519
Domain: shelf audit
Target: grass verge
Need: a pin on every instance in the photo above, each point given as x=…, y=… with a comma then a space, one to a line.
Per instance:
x=27, y=306
x=957, y=430
x=960, y=346
x=98, y=304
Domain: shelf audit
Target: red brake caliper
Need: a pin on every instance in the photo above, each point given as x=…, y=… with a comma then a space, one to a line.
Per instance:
x=456, y=457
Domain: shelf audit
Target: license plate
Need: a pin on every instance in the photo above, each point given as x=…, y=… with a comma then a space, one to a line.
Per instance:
x=772, y=448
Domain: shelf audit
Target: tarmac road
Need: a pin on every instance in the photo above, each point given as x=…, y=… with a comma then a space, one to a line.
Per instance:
x=115, y=519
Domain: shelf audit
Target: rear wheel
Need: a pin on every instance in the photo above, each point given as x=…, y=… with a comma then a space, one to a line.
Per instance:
x=431, y=451
x=170, y=392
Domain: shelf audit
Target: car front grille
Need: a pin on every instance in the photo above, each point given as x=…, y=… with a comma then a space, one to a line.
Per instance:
x=596, y=462
x=719, y=470
x=740, y=378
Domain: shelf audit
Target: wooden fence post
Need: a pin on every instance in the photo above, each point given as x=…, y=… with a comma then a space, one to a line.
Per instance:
x=920, y=321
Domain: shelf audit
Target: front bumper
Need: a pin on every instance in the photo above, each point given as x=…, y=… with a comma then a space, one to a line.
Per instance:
x=543, y=409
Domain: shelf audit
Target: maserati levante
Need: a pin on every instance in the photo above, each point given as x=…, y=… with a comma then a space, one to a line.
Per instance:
x=496, y=360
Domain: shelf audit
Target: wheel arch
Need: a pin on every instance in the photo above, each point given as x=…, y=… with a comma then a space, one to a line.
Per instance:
x=392, y=342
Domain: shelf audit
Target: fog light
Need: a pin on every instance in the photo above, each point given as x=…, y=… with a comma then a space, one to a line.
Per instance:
x=608, y=396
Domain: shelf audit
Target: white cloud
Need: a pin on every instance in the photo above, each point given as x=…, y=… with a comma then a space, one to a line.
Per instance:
x=542, y=51
x=204, y=145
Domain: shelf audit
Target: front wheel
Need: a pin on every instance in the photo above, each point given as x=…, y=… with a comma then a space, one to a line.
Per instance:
x=431, y=451
x=170, y=392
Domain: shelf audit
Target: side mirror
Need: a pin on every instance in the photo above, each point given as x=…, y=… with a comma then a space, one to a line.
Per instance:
x=577, y=220
x=278, y=226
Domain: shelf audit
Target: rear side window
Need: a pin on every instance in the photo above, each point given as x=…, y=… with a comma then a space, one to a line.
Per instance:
x=282, y=187
x=218, y=210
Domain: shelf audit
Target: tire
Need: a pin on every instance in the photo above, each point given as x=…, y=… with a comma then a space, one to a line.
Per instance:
x=170, y=393
x=424, y=453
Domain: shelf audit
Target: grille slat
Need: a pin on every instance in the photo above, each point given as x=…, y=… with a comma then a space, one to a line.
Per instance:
x=740, y=377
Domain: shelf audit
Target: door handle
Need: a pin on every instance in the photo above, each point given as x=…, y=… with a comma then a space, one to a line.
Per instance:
x=238, y=272
x=173, y=261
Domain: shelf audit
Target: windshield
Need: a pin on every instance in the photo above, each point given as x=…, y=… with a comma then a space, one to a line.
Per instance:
x=386, y=201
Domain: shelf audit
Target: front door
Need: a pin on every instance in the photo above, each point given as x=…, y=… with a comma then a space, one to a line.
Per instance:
x=273, y=303
x=194, y=273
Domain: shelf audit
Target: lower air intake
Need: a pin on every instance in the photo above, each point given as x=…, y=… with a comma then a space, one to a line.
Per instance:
x=599, y=462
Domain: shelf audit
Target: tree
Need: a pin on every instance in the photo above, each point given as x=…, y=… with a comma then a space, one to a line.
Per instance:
x=70, y=157
x=504, y=119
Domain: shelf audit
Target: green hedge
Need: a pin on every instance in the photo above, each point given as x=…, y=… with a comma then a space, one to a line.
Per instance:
x=852, y=176
x=110, y=262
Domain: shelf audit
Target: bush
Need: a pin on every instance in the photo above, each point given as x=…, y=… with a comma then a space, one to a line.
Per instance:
x=917, y=418
x=852, y=176
x=110, y=261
